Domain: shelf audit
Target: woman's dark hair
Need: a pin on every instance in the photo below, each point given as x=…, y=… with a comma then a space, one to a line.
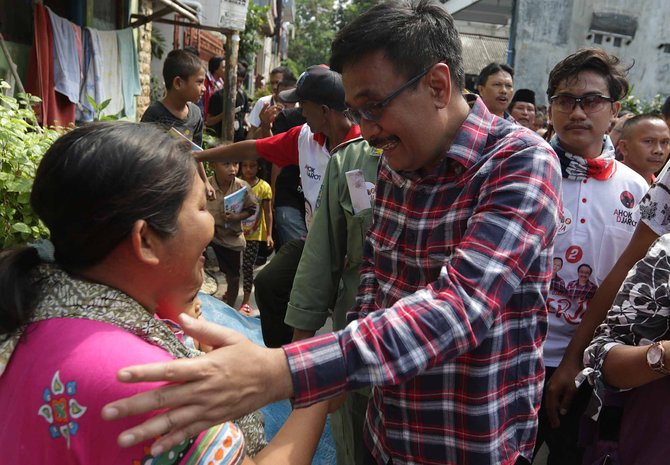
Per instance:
x=90, y=188
x=591, y=59
x=214, y=64
x=412, y=34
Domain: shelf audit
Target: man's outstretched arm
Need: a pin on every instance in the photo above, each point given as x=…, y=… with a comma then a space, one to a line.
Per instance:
x=239, y=151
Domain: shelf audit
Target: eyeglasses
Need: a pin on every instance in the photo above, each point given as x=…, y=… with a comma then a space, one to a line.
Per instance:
x=373, y=112
x=591, y=103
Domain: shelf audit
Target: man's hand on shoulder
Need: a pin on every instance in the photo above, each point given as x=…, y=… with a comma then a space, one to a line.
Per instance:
x=236, y=378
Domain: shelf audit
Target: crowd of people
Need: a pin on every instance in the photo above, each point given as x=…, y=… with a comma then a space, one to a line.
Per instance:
x=496, y=271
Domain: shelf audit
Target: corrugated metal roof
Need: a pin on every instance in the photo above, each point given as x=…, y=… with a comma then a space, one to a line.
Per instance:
x=479, y=51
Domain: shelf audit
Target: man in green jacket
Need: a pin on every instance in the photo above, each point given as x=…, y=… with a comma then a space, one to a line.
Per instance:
x=334, y=245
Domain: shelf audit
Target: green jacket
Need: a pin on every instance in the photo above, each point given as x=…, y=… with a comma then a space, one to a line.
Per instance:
x=328, y=273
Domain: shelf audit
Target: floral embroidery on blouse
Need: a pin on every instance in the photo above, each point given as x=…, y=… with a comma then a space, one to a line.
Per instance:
x=61, y=409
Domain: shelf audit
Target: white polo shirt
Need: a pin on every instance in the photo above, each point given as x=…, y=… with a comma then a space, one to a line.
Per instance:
x=598, y=220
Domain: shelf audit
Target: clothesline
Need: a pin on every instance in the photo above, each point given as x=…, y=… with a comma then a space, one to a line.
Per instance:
x=71, y=64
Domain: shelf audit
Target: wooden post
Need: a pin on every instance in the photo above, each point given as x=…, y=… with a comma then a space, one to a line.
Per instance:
x=12, y=66
x=232, y=49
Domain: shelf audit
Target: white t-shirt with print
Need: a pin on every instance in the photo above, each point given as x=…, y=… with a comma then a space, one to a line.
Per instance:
x=598, y=220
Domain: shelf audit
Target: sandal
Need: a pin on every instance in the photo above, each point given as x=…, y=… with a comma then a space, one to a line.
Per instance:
x=248, y=311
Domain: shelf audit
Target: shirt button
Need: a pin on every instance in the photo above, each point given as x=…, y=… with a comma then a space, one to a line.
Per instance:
x=584, y=181
x=583, y=200
x=582, y=221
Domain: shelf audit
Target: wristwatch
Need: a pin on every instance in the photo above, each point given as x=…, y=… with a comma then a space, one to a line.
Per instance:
x=656, y=358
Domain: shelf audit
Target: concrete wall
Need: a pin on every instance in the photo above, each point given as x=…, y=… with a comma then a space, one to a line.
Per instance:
x=549, y=30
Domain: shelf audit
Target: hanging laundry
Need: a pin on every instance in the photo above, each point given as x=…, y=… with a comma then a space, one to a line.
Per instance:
x=130, y=75
x=92, y=86
x=80, y=53
x=55, y=109
x=66, y=69
x=111, y=71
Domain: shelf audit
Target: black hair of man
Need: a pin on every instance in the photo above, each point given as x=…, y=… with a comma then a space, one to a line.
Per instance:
x=288, y=82
x=241, y=71
x=412, y=34
x=630, y=123
x=180, y=63
x=191, y=49
x=665, y=109
x=284, y=71
x=214, y=63
x=591, y=59
x=583, y=265
x=493, y=68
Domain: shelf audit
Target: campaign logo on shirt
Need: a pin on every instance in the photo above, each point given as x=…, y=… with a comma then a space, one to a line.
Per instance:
x=624, y=217
x=310, y=171
x=566, y=221
x=627, y=199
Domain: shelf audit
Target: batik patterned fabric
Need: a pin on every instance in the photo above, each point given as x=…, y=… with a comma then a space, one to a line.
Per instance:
x=578, y=168
x=655, y=206
x=640, y=314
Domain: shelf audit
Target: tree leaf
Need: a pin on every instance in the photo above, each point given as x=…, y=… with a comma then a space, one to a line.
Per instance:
x=21, y=227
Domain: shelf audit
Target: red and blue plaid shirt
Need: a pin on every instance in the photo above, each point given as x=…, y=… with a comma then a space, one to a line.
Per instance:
x=450, y=314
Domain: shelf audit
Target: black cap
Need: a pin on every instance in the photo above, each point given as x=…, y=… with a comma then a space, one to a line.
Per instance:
x=523, y=95
x=318, y=84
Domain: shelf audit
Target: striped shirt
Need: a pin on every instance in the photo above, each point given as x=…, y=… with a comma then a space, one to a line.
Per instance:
x=451, y=310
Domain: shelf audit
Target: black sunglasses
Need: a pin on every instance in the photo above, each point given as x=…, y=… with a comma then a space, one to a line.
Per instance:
x=590, y=103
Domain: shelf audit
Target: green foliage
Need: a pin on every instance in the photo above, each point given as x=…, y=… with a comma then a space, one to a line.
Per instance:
x=349, y=9
x=316, y=24
x=639, y=107
x=250, y=40
x=209, y=139
x=22, y=145
x=293, y=66
x=98, y=109
x=157, y=43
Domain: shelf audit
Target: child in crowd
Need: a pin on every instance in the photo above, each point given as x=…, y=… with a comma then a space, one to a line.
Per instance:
x=257, y=229
x=184, y=77
x=228, y=241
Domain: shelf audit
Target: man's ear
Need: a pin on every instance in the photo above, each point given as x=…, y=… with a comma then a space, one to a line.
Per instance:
x=622, y=148
x=439, y=81
x=145, y=243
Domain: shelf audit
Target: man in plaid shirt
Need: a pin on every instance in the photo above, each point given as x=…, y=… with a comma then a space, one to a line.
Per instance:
x=450, y=315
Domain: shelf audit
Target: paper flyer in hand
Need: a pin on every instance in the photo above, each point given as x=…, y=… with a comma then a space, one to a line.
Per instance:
x=235, y=202
x=179, y=136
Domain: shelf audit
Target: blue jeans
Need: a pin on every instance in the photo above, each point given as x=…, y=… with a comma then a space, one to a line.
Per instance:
x=289, y=222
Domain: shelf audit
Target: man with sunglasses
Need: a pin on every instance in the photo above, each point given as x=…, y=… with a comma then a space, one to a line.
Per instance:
x=600, y=197
x=449, y=319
